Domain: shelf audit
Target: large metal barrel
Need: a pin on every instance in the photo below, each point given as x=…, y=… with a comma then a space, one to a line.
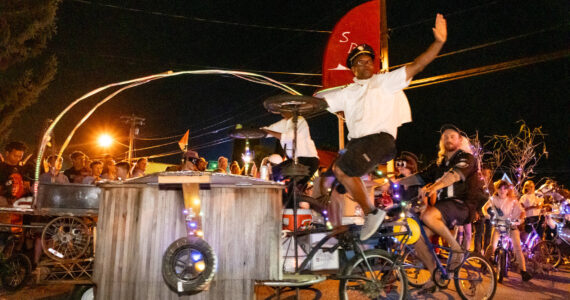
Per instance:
x=139, y=220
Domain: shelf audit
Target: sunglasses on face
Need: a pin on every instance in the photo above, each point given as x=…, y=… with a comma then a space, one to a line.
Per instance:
x=400, y=163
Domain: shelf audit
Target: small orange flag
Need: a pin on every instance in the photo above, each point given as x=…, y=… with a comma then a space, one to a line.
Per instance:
x=183, y=143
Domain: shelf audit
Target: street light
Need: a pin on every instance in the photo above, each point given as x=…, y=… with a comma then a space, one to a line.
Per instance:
x=105, y=140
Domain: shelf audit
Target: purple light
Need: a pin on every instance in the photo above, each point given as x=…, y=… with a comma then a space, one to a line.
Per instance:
x=397, y=196
x=196, y=256
x=324, y=212
x=396, y=185
x=193, y=224
x=185, y=211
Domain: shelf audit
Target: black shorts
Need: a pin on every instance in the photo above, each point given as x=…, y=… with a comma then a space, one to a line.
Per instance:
x=453, y=211
x=364, y=154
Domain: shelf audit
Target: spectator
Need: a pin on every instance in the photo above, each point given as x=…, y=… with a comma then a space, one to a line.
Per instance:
x=96, y=170
x=190, y=161
x=14, y=182
x=109, y=169
x=78, y=161
x=235, y=169
x=140, y=167
x=123, y=170
x=53, y=175
x=202, y=164
x=222, y=165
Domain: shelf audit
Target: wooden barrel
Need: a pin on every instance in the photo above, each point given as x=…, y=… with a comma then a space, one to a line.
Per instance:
x=137, y=223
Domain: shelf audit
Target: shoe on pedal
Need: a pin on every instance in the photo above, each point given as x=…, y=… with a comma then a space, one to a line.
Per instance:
x=456, y=260
x=372, y=221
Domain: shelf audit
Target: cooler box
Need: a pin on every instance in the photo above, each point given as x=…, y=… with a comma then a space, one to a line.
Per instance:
x=304, y=219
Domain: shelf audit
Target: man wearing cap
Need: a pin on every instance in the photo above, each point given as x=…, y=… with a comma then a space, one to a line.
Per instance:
x=190, y=161
x=374, y=107
x=458, y=188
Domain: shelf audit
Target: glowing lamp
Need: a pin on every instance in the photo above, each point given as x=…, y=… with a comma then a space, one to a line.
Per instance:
x=105, y=140
x=200, y=266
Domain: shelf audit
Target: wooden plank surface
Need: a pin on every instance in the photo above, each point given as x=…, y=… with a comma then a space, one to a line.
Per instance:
x=138, y=222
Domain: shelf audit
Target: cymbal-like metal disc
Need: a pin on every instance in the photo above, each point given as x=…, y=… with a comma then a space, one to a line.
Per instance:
x=247, y=133
x=302, y=105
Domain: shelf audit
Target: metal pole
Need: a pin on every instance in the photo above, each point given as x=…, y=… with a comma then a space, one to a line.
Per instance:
x=384, y=56
x=383, y=36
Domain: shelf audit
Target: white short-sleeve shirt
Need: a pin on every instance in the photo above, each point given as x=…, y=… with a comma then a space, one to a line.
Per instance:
x=372, y=105
x=305, y=145
x=511, y=208
x=531, y=200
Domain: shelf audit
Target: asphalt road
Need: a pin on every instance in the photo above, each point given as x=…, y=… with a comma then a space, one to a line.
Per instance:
x=555, y=286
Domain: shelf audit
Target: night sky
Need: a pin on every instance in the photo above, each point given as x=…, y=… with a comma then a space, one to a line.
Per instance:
x=97, y=44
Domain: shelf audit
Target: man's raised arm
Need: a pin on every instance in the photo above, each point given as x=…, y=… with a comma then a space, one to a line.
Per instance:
x=440, y=35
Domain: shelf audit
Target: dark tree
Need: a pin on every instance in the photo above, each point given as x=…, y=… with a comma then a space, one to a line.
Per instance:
x=25, y=70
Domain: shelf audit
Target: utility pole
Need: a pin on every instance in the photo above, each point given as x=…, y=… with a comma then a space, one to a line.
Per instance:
x=133, y=121
x=384, y=56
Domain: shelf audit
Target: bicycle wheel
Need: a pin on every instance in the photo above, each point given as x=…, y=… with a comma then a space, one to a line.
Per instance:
x=475, y=278
x=65, y=238
x=415, y=271
x=501, y=265
x=17, y=269
x=383, y=280
x=547, y=252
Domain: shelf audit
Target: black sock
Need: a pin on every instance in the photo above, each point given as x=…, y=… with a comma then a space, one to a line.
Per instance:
x=374, y=211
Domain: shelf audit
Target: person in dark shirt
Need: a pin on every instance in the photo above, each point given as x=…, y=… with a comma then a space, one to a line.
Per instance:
x=456, y=184
x=406, y=164
x=74, y=173
x=14, y=178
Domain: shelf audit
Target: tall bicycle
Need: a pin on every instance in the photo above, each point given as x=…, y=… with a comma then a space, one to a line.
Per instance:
x=473, y=279
x=368, y=274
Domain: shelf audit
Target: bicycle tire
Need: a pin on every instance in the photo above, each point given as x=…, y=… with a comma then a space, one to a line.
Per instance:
x=548, y=253
x=185, y=273
x=474, y=272
x=416, y=273
x=360, y=286
x=18, y=269
x=501, y=266
x=82, y=292
x=65, y=238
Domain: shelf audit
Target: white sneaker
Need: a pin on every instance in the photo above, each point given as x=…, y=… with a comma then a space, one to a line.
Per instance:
x=371, y=224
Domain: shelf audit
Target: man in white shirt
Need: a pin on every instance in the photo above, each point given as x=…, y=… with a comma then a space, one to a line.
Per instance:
x=374, y=107
x=306, y=151
x=532, y=205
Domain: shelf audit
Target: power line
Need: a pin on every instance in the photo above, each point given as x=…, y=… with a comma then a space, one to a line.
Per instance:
x=489, y=69
x=158, y=138
x=493, y=43
x=155, y=146
x=203, y=20
x=213, y=143
x=447, y=15
x=476, y=47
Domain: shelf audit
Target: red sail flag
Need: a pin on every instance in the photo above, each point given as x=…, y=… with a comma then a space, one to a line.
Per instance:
x=183, y=143
x=358, y=26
